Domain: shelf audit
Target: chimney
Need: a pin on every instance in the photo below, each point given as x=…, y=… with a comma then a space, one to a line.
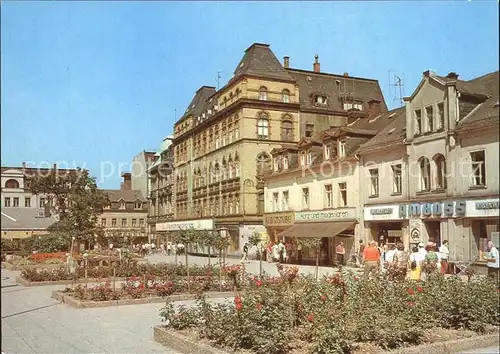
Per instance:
x=24, y=165
x=316, y=64
x=428, y=73
x=55, y=166
x=374, y=108
x=286, y=62
x=127, y=181
x=346, y=74
x=452, y=75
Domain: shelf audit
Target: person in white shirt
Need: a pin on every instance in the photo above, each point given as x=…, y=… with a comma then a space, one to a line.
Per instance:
x=444, y=254
x=493, y=261
x=275, y=252
x=169, y=248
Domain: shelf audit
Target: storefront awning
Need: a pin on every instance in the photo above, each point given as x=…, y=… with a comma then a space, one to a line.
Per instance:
x=316, y=229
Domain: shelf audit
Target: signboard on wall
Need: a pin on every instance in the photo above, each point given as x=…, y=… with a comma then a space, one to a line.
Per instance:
x=279, y=219
x=483, y=208
x=326, y=215
x=382, y=212
x=206, y=224
x=415, y=230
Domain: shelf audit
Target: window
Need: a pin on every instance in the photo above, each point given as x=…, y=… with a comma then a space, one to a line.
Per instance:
x=285, y=95
x=124, y=222
x=320, y=100
x=275, y=201
x=302, y=158
x=309, y=130
x=263, y=126
x=341, y=149
x=16, y=202
x=418, y=122
x=327, y=152
x=237, y=206
x=374, y=182
x=286, y=163
x=286, y=200
x=358, y=106
x=429, y=117
x=141, y=222
x=134, y=222
x=12, y=183
x=440, y=164
x=309, y=158
x=138, y=205
x=425, y=174
x=440, y=116
x=6, y=202
x=27, y=202
x=343, y=194
x=328, y=196
x=478, y=168
x=122, y=205
x=305, y=198
x=348, y=106
x=277, y=163
x=103, y=222
x=263, y=94
x=42, y=202
x=286, y=130
x=113, y=222
x=397, y=179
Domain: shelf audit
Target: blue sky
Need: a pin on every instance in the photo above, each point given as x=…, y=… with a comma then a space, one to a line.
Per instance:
x=94, y=83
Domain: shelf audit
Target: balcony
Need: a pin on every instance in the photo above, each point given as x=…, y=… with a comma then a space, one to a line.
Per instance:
x=230, y=185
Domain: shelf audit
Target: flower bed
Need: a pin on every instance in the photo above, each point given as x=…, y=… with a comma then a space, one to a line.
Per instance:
x=48, y=257
x=338, y=314
x=121, y=271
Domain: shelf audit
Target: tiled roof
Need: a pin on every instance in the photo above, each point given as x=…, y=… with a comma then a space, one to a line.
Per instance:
x=482, y=85
x=127, y=195
x=392, y=126
x=199, y=102
x=24, y=219
x=335, y=87
x=259, y=60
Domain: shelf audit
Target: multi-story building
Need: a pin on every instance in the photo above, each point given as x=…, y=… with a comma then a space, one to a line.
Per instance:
x=223, y=141
x=139, y=170
x=442, y=173
x=125, y=218
x=162, y=194
x=313, y=188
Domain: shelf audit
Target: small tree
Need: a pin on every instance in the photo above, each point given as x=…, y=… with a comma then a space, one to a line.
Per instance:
x=188, y=237
x=256, y=240
x=312, y=243
x=207, y=238
x=221, y=244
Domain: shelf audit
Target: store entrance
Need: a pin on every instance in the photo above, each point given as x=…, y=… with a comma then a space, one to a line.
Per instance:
x=433, y=229
x=389, y=233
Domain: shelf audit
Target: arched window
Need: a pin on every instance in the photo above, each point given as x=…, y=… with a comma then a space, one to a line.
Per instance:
x=425, y=173
x=11, y=183
x=286, y=129
x=440, y=168
x=263, y=94
x=285, y=96
x=217, y=172
x=263, y=126
x=263, y=163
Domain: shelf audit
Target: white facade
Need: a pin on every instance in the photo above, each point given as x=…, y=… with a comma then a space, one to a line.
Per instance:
x=14, y=193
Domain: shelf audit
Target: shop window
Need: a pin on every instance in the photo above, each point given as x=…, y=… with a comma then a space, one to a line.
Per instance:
x=478, y=168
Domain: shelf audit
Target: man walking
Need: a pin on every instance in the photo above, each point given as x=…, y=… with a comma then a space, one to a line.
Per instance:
x=361, y=249
x=371, y=259
x=245, y=253
x=493, y=261
x=444, y=253
x=340, y=250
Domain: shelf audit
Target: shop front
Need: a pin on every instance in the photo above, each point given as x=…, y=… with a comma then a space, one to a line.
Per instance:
x=169, y=230
x=276, y=223
x=331, y=226
x=387, y=224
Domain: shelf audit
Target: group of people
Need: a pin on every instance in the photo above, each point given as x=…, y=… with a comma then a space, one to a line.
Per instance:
x=167, y=249
x=422, y=262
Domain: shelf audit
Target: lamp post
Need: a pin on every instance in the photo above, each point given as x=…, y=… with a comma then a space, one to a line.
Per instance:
x=223, y=233
x=85, y=258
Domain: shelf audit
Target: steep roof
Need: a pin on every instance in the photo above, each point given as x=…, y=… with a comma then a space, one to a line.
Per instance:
x=259, y=60
x=335, y=87
x=392, y=126
x=483, y=85
x=24, y=219
x=127, y=195
x=199, y=102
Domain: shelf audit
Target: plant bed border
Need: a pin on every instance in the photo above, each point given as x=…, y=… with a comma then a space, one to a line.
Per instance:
x=71, y=301
x=20, y=267
x=182, y=343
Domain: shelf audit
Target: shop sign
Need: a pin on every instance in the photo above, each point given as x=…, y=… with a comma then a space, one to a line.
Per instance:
x=386, y=212
x=206, y=224
x=483, y=208
x=395, y=233
x=447, y=209
x=279, y=219
x=330, y=215
x=415, y=227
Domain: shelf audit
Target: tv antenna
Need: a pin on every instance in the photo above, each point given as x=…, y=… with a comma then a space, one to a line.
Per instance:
x=396, y=84
x=218, y=79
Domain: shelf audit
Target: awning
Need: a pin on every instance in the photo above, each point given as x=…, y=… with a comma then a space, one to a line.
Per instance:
x=316, y=229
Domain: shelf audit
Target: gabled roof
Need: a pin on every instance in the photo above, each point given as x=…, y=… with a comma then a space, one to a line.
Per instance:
x=259, y=60
x=199, y=102
x=24, y=219
x=393, y=131
x=335, y=87
x=309, y=141
x=129, y=196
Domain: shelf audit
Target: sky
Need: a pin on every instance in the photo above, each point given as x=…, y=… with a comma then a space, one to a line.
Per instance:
x=92, y=84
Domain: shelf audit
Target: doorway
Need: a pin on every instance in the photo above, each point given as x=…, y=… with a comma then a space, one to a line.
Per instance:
x=433, y=229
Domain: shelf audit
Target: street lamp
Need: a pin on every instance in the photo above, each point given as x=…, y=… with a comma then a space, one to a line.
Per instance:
x=223, y=233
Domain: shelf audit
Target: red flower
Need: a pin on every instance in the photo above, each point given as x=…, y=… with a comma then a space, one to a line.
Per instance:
x=239, y=306
x=237, y=300
x=411, y=292
x=411, y=303
x=310, y=318
x=141, y=286
x=259, y=307
x=258, y=283
x=299, y=308
x=420, y=289
x=323, y=298
x=356, y=278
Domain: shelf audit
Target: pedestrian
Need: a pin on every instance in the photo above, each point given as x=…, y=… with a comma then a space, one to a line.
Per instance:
x=400, y=262
x=431, y=260
x=493, y=261
x=340, y=251
x=275, y=252
x=245, y=253
x=445, y=253
x=371, y=259
x=388, y=257
x=299, y=253
x=169, y=248
x=153, y=248
x=281, y=251
x=415, y=264
x=361, y=249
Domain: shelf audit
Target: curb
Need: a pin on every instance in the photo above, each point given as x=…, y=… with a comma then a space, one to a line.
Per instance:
x=452, y=346
x=181, y=343
x=69, y=300
x=25, y=282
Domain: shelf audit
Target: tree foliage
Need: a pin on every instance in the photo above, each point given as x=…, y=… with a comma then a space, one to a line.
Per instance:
x=74, y=197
